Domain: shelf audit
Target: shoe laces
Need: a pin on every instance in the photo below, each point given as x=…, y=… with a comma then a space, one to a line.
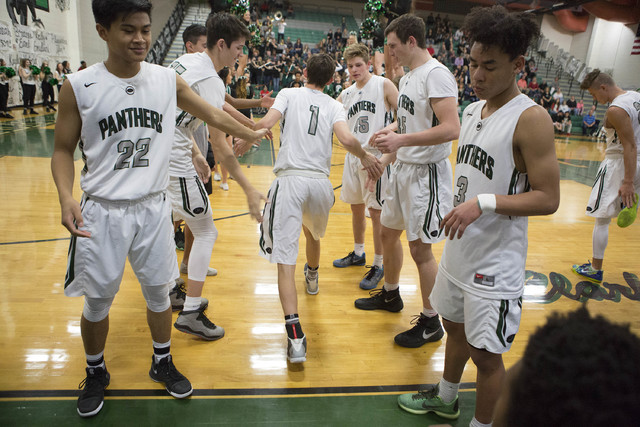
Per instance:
x=181, y=291
x=429, y=393
x=205, y=320
x=377, y=293
x=167, y=368
x=91, y=382
x=372, y=272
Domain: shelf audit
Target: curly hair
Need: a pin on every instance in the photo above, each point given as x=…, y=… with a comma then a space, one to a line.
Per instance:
x=578, y=370
x=495, y=26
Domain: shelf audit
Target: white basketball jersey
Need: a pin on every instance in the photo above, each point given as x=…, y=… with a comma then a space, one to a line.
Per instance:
x=366, y=110
x=489, y=259
x=630, y=102
x=198, y=71
x=306, y=130
x=430, y=80
x=127, y=130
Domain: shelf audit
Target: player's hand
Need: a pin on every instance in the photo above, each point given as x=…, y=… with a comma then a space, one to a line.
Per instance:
x=258, y=135
x=202, y=168
x=254, y=200
x=627, y=193
x=372, y=165
x=268, y=135
x=72, y=218
x=240, y=147
x=387, y=141
x=267, y=100
x=456, y=221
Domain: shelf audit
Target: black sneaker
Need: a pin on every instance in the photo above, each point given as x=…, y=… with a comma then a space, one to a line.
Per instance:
x=178, y=295
x=381, y=299
x=92, y=395
x=425, y=329
x=165, y=372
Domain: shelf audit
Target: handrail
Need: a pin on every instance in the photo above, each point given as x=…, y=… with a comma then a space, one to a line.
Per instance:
x=163, y=42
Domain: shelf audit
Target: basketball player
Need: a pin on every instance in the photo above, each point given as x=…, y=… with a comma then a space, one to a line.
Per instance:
x=618, y=178
x=225, y=37
x=301, y=195
x=506, y=170
x=125, y=125
x=419, y=192
x=369, y=105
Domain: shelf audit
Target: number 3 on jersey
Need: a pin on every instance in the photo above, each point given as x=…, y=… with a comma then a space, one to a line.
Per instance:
x=462, y=190
x=127, y=148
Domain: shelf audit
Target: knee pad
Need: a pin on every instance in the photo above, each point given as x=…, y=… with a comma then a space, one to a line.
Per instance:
x=157, y=297
x=96, y=309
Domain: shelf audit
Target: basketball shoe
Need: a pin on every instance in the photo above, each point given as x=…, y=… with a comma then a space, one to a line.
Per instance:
x=425, y=329
x=428, y=401
x=165, y=372
x=586, y=271
x=372, y=277
x=381, y=299
x=311, y=284
x=195, y=322
x=178, y=294
x=91, y=397
x=349, y=260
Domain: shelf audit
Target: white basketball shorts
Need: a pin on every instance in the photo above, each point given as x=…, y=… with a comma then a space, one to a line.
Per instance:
x=417, y=199
x=293, y=201
x=604, y=201
x=189, y=198
x=354, y=179
x=139, y=229
x=489, y=324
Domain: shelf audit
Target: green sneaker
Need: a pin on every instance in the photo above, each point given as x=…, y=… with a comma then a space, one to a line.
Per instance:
x=428, y=401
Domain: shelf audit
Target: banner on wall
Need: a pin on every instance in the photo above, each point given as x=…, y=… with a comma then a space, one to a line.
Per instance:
x=24, y=40
x=6, y=41
x=42, y=45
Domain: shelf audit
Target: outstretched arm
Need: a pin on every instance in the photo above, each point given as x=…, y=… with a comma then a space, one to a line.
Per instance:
x=193, y=104
x=369, y=162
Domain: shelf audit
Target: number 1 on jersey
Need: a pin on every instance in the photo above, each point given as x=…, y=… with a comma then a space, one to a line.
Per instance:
x=313, y=123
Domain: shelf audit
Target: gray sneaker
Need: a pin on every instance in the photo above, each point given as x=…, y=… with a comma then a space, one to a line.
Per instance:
x=297, y=349
x=195, y=322
x=179, y=293
x=310, y=284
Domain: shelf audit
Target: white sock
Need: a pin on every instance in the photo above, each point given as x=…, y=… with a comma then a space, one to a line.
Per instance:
x=391, y=286
x=448, y=391
x=429, y=312
x=476, y=423
x=377, y=260
x=358, y=248
x=192, y=303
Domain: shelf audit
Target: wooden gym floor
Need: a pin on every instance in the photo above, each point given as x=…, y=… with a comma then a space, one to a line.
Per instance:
x=354, y=370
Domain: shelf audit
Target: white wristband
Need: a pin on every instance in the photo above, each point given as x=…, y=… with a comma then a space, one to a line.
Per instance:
x=487, y=203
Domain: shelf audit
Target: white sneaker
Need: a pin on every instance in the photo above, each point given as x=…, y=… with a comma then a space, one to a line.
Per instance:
x=210, y=271
x=216, y=176
x=224, y=186
x=297, y=349
x=310, y=284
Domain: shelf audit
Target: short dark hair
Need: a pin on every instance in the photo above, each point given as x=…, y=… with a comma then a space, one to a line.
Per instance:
x=577, y=364
x=105, y=12
x=193, y=32
x=408, y=25
x=596, y=77
x=495, y=26
x=320, y=69
x=225, y=26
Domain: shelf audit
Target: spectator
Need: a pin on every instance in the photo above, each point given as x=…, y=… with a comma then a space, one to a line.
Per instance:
x=83, y=65
x=572, y=104
x=4, y=93
x=533, y=85
x=28, y=80
x=564, y=108
x=589, y=122
x=558, y=97
x=290, y=11
x=281, y=26
x=522, y=83
x=579, y=107
x=547, y=99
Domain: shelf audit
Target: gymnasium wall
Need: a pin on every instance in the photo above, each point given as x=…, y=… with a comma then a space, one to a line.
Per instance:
x=605, y=45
